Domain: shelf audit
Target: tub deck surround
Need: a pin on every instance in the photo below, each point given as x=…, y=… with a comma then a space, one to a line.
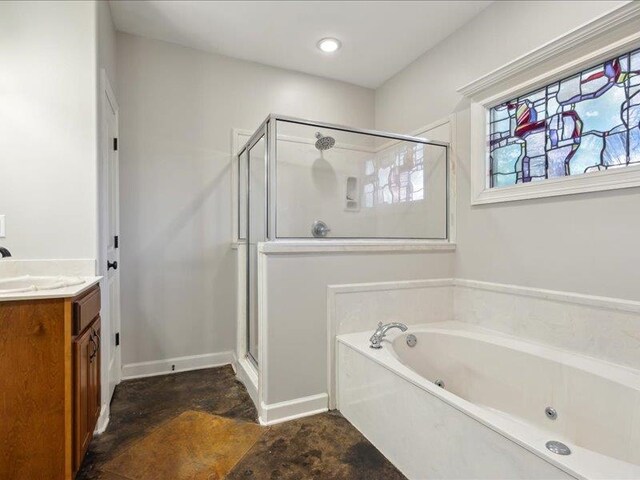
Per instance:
x=599, y=327
x=501, y=384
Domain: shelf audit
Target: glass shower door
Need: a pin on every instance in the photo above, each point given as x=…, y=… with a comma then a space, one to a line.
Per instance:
x=256, y=232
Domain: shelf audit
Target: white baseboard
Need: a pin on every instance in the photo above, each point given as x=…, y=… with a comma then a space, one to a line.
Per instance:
x=103, y=420
x=177, y=364
x=247, y=375
x=291, y=409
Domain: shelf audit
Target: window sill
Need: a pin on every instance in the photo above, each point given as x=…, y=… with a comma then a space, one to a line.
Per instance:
x=346, y=246
x=626, y=177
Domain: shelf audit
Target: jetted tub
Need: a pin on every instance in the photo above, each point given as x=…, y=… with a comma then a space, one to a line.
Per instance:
x=501, y=400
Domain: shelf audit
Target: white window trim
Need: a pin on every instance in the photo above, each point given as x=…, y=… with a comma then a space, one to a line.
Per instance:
x=613, y=33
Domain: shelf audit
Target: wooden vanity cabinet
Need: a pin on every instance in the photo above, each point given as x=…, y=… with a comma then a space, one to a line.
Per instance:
x=86, y=388
x=49, y=384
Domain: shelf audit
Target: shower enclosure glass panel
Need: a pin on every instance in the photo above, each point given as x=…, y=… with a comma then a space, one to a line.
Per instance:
x=256, y=232
x=303, y=179
x=243, y=198
x=335, y=183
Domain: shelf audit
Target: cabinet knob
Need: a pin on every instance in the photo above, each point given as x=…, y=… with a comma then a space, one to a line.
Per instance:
x=111, y=265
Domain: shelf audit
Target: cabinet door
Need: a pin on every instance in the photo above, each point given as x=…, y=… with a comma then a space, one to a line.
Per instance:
x=83, y=351
x=34, y=418
x=94, y=377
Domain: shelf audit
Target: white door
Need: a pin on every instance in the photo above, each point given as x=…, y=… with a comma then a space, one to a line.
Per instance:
x=110, y=241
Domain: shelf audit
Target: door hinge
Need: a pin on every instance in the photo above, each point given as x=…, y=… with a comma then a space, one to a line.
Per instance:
x=117, y=339
x=116, y=241
x=115, y=144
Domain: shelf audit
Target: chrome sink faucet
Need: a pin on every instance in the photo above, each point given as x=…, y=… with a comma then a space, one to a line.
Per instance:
x=381, y=331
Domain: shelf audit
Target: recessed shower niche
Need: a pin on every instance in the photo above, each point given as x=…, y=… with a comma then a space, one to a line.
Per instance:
x=352, y=195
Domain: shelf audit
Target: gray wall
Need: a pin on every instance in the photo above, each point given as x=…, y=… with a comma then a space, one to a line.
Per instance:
x=48, y=188
x=106, y=46
x=586, y=243
x=297, y=309
x=177, y=109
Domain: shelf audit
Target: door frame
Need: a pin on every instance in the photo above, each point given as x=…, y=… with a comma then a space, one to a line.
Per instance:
x=109, y=365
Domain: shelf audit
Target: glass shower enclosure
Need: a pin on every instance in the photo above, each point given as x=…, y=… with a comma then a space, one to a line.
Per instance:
x=300, y=180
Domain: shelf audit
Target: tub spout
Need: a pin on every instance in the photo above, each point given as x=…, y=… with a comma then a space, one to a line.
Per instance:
x=381, y=331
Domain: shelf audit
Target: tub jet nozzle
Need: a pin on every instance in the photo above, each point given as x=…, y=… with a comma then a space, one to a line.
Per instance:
x=558, y=448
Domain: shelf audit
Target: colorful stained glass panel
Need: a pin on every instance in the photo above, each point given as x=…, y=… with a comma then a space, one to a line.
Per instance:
x=587, y=122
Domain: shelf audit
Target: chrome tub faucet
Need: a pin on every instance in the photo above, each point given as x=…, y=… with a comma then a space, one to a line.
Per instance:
x=381, y=332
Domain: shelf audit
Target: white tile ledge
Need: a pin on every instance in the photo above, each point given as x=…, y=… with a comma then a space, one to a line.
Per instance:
x=389, y=286
x=342, y=246
x=608, y=303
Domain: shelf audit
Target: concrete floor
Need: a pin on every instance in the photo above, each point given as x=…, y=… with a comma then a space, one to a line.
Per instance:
x=202, y=425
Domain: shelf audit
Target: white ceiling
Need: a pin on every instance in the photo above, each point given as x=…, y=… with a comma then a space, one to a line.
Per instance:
x=379, y=38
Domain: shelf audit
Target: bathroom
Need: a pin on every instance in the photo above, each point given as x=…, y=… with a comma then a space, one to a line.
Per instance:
x=329, y=240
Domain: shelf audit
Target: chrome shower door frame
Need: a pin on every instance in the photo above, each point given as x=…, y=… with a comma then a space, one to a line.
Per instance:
x=262, y=133
x=271, y=123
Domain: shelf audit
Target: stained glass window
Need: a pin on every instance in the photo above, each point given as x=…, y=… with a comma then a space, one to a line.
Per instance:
x=584, y=123
x=395, y=177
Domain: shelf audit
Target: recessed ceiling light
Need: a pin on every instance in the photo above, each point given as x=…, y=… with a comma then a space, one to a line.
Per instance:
x=329, y=45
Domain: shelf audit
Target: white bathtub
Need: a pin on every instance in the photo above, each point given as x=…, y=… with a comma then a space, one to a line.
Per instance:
x=489, y=420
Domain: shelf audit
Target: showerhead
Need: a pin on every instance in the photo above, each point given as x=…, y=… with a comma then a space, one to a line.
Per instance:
x=324, y=143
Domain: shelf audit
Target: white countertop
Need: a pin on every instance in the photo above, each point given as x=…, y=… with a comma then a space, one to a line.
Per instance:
x=64, y=292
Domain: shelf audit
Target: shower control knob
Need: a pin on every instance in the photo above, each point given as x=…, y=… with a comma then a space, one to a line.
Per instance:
x=319, y=229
